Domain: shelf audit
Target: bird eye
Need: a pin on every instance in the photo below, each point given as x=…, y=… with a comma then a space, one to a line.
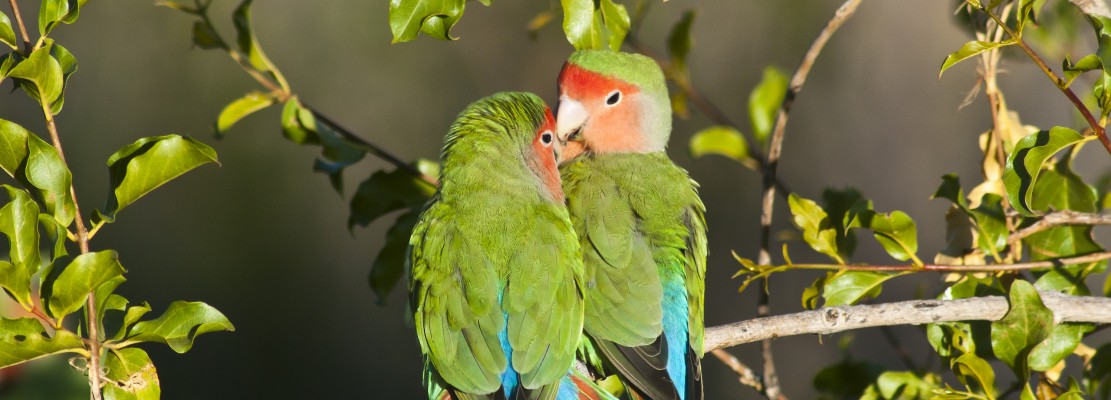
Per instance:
x=613, y=98
x=546, y=138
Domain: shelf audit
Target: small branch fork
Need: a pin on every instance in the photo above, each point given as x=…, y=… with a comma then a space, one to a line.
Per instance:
x=916, y=312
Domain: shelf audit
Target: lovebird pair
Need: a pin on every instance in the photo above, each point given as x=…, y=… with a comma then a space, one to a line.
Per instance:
x=533, y=254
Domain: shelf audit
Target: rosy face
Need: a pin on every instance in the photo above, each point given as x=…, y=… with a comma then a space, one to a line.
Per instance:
x=547, y=149
x=597, y=113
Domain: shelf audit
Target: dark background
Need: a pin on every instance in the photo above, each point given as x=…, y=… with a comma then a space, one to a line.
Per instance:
x=264, y=239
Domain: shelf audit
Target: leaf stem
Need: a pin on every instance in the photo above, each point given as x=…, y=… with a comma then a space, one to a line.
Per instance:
x=22, y=28
x=1094, y=257
x=1057, y=81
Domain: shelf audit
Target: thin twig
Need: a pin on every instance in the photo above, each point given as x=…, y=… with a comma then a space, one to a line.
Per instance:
x=22, y=28
x=372, y=148
x=1057, y=81
x=1059, y=218
x=1089, y=258
x=744, y=373
x=916, y=312
x=775, y=149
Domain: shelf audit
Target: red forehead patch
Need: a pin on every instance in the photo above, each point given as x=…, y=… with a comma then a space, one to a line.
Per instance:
x=577, y=82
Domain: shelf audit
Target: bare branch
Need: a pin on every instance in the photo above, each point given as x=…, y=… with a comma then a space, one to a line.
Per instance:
x=22, y=28
x=1059, y=218
x=843, y=318
x=744, y=373
x=1087, y=258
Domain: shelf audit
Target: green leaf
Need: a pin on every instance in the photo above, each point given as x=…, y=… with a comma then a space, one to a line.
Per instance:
x=56, y=233
x=338, y=153
x=107, y=300
x=205, y=37
x=52, y=12
x=434, y=17
x=991, y=224
x=389, y=265
x=82, y=276
x=45, y=171
x=846, y=379
x=41, y=75
x=1061, y=342
x=764, y=102
x=975, y=373
x=68, y=63
x=131, y=376
x=1087, y=63
x=24, y=339
x=837, y=204
x=130, y=317
x=594, y=25
x=180, y=325
x=1024, y=164
x=1027, y=323
x=971, y=49
x=679, y=41
x=813, y=293
x=850, y=287
x=246, y=39
x=292, y=128
x=895, y=231
x=19, y=221
x=1098, y=373
x=721, y=140
x=384, y=192
x=150, y=162
x=906, y=385
x=242, y=107
x=7, y=35
x=817, y=229
x=13, y=146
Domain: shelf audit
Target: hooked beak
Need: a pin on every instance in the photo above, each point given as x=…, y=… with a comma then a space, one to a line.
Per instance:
x=569, y=120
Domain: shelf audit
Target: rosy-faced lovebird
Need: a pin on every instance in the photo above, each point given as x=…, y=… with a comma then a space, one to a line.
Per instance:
x=640, y=223
x=495, y=267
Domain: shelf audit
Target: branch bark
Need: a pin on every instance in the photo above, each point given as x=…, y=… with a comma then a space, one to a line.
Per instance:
x=1059, y=218
x=844, y=318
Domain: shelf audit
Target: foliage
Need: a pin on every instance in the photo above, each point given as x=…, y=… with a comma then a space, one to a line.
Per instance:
x=41, y=222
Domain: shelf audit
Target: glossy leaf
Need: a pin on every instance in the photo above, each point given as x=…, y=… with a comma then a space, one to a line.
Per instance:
x=389, y=264
x=594, y=25
x=19, y=221
x=150, y=162
x=1089, y=62
x=895, y=231
x=41, y=75
x=131, y=375
x=180, y=325
x=434, y=17
x=80, y=278
x=45, y=170
x=292, y=128
x=107, y=300
x=246, y=39
x=721, y=140
x=764, y=102
x=902, y=385
x=1024, y=164
x=7, y=35
x=1062, y=340
x=616, y=21
x=975, y=373
x=24, y=339
x=817, y=229
x=679, y=41
x=385, y=192
x=53, y=12
x=130, y=317
x=838, y=203
x=242, y=107
x=1027, y=323
x=1061, y=189
x=68, y=63
x=970, y=49
x=813, y=293
x=850, y=287
x=13, y=146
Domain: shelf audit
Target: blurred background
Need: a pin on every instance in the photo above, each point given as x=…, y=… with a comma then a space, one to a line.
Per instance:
x=264, y=239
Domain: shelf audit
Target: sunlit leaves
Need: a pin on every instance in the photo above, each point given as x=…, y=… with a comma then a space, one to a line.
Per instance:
x=150, y=162
x=41, y=76
x=975, y=373
x=1087, y=63
x=895, y=231
x=242, y=107
x=180, y=325
x=970, y=49
x=1062, y=340
x=7, y=35
x=595, y=25
x=302, y=126
x=1026, y=324
x=19, y=221
x=987, y=219
x=1024, y=164
x=24, y=339
x=82, y=276
x=434, y=17
x=131, y=376
x=53, y=12
x=850, y=287
x=764, y=102
x=246, y=39
x=68, y=63
x=903, y=385
x=817, y=229
x=721, y=140
x=45, y=170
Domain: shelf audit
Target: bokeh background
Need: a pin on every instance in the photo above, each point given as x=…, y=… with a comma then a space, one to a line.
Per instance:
x=264, y=239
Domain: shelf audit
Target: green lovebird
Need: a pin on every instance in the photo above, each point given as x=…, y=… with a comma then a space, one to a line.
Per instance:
x=640, y=223
x=495, y=285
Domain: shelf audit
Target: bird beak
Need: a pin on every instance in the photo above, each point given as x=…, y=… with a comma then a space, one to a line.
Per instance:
x=557, y=150
x=569, y=120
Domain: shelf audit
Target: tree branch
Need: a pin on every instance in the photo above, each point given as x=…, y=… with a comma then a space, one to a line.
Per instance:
x=770, y=164
x=744, y=373
x=22, y=28
x=916, y=312
x=1094, y=257
x=1059, y=218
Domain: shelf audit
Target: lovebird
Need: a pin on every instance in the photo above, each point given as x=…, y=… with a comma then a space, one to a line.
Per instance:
x=496, y=286
x=640, y=222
